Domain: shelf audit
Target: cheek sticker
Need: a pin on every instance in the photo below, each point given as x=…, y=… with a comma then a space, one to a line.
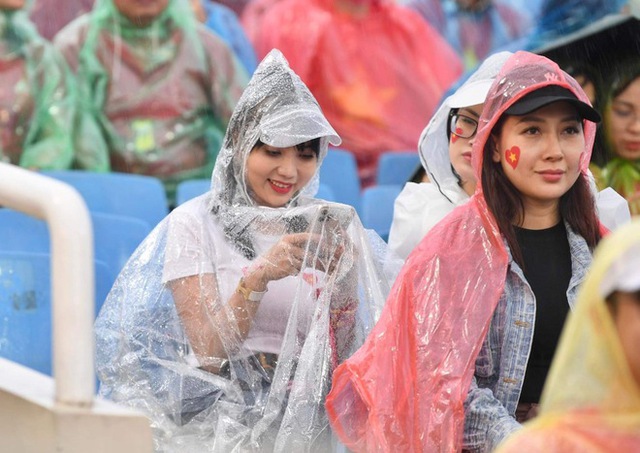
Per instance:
x=455, y=135
x=512, y=156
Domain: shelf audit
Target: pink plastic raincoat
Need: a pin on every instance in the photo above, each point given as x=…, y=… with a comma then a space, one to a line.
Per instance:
x=404, y=389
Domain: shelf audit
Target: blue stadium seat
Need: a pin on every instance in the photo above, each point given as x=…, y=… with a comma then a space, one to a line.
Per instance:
x=396, y=167
x=377, y=208
x=125, y=194
x=340, y=172
x=191, y=188
x=115, y=237
x=326, y=193
x=25, y=306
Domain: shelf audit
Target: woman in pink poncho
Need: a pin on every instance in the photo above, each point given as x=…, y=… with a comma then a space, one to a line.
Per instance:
x=377, y=69
x=460, y=353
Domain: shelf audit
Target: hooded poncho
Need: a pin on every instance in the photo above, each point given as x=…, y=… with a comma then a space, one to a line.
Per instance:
x=590, y=403
x=405, y=388
x=420, y=206
x=162, y=94
x=378, y=75
x=311, y=321
x=36, y=98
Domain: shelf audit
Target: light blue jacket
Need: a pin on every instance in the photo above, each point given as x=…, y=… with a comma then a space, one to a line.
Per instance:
x=501, y=364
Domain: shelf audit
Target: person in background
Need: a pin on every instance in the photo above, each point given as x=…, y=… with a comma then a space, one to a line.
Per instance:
x=445, y=153
x=228, y=321
x=160, y=85
x=377, y=69
x=224, y=22
x=36, y=97
x=621, y=127
x=459, y=356
x=475, y=28
x=591, y=401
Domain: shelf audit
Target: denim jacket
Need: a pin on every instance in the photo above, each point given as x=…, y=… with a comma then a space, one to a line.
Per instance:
x=501, y=364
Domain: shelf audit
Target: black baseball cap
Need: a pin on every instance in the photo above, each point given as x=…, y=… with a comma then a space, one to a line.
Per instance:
x=548, y=94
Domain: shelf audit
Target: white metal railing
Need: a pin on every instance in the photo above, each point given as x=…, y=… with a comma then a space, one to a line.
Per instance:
x=72, y=275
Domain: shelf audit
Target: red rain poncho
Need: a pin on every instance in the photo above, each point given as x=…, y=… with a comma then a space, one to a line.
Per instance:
x=378, y=76
x=404, y=389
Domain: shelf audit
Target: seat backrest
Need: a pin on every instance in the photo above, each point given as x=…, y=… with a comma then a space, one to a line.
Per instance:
x=396, y=167
x=339, y=172
x=116, y=238
x=125, y=194
x=191, y=188
x=377, y=208
x=25, y=306
x=326, y=193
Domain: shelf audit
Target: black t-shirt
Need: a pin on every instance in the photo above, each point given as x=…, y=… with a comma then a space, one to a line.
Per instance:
x=547, y=268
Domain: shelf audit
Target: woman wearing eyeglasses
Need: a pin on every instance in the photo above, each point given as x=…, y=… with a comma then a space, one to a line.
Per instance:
x=445, y=153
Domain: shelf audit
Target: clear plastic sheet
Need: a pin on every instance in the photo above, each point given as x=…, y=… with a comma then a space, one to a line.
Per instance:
x=36, y=100
x=162, y=95
x=590, y=403
x=269, y=395
x=405, y=389
x=377, y=69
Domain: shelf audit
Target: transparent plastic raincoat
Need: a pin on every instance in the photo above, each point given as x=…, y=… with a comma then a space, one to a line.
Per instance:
x=269, y=392
x=421, y=205
x=590, y=403
x=162, y=94
x=405, y=388
x=378, y=74
x=36, y=97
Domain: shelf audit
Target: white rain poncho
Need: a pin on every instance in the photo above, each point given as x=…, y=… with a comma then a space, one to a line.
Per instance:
x=270, y=395
x=421, y=205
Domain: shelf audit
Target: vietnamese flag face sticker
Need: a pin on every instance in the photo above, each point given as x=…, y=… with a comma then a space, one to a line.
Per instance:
x=456, y=135
x=512, y=156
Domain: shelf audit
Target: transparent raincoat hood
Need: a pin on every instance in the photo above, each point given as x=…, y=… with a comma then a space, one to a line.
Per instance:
x=591, y=401
x=310, y=321
x=37, y=99
x=404, y=389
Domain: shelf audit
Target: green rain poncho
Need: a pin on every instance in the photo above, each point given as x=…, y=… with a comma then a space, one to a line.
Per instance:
x=162, y=94
x=36, y=104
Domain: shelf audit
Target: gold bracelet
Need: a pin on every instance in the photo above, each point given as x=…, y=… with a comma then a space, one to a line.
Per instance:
x=248, y=294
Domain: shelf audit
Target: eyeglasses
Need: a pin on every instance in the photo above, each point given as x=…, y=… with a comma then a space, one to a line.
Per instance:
x=463, y=126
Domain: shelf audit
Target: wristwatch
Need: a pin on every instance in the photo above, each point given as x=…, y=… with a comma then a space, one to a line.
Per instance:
x=249, y=295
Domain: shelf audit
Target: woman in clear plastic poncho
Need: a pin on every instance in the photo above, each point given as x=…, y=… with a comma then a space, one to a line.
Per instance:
x=226, y=324
x=36, y=103
x=457, y=346
x=377, y=69
x=591, y=401
x=161, y=86
x=445, y=154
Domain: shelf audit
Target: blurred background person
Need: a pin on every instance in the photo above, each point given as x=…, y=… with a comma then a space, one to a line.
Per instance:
x=475, y=28
x=377, y=69
x=225, y=23
x=161, y=86
x=621, y=128
x=36, y=98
